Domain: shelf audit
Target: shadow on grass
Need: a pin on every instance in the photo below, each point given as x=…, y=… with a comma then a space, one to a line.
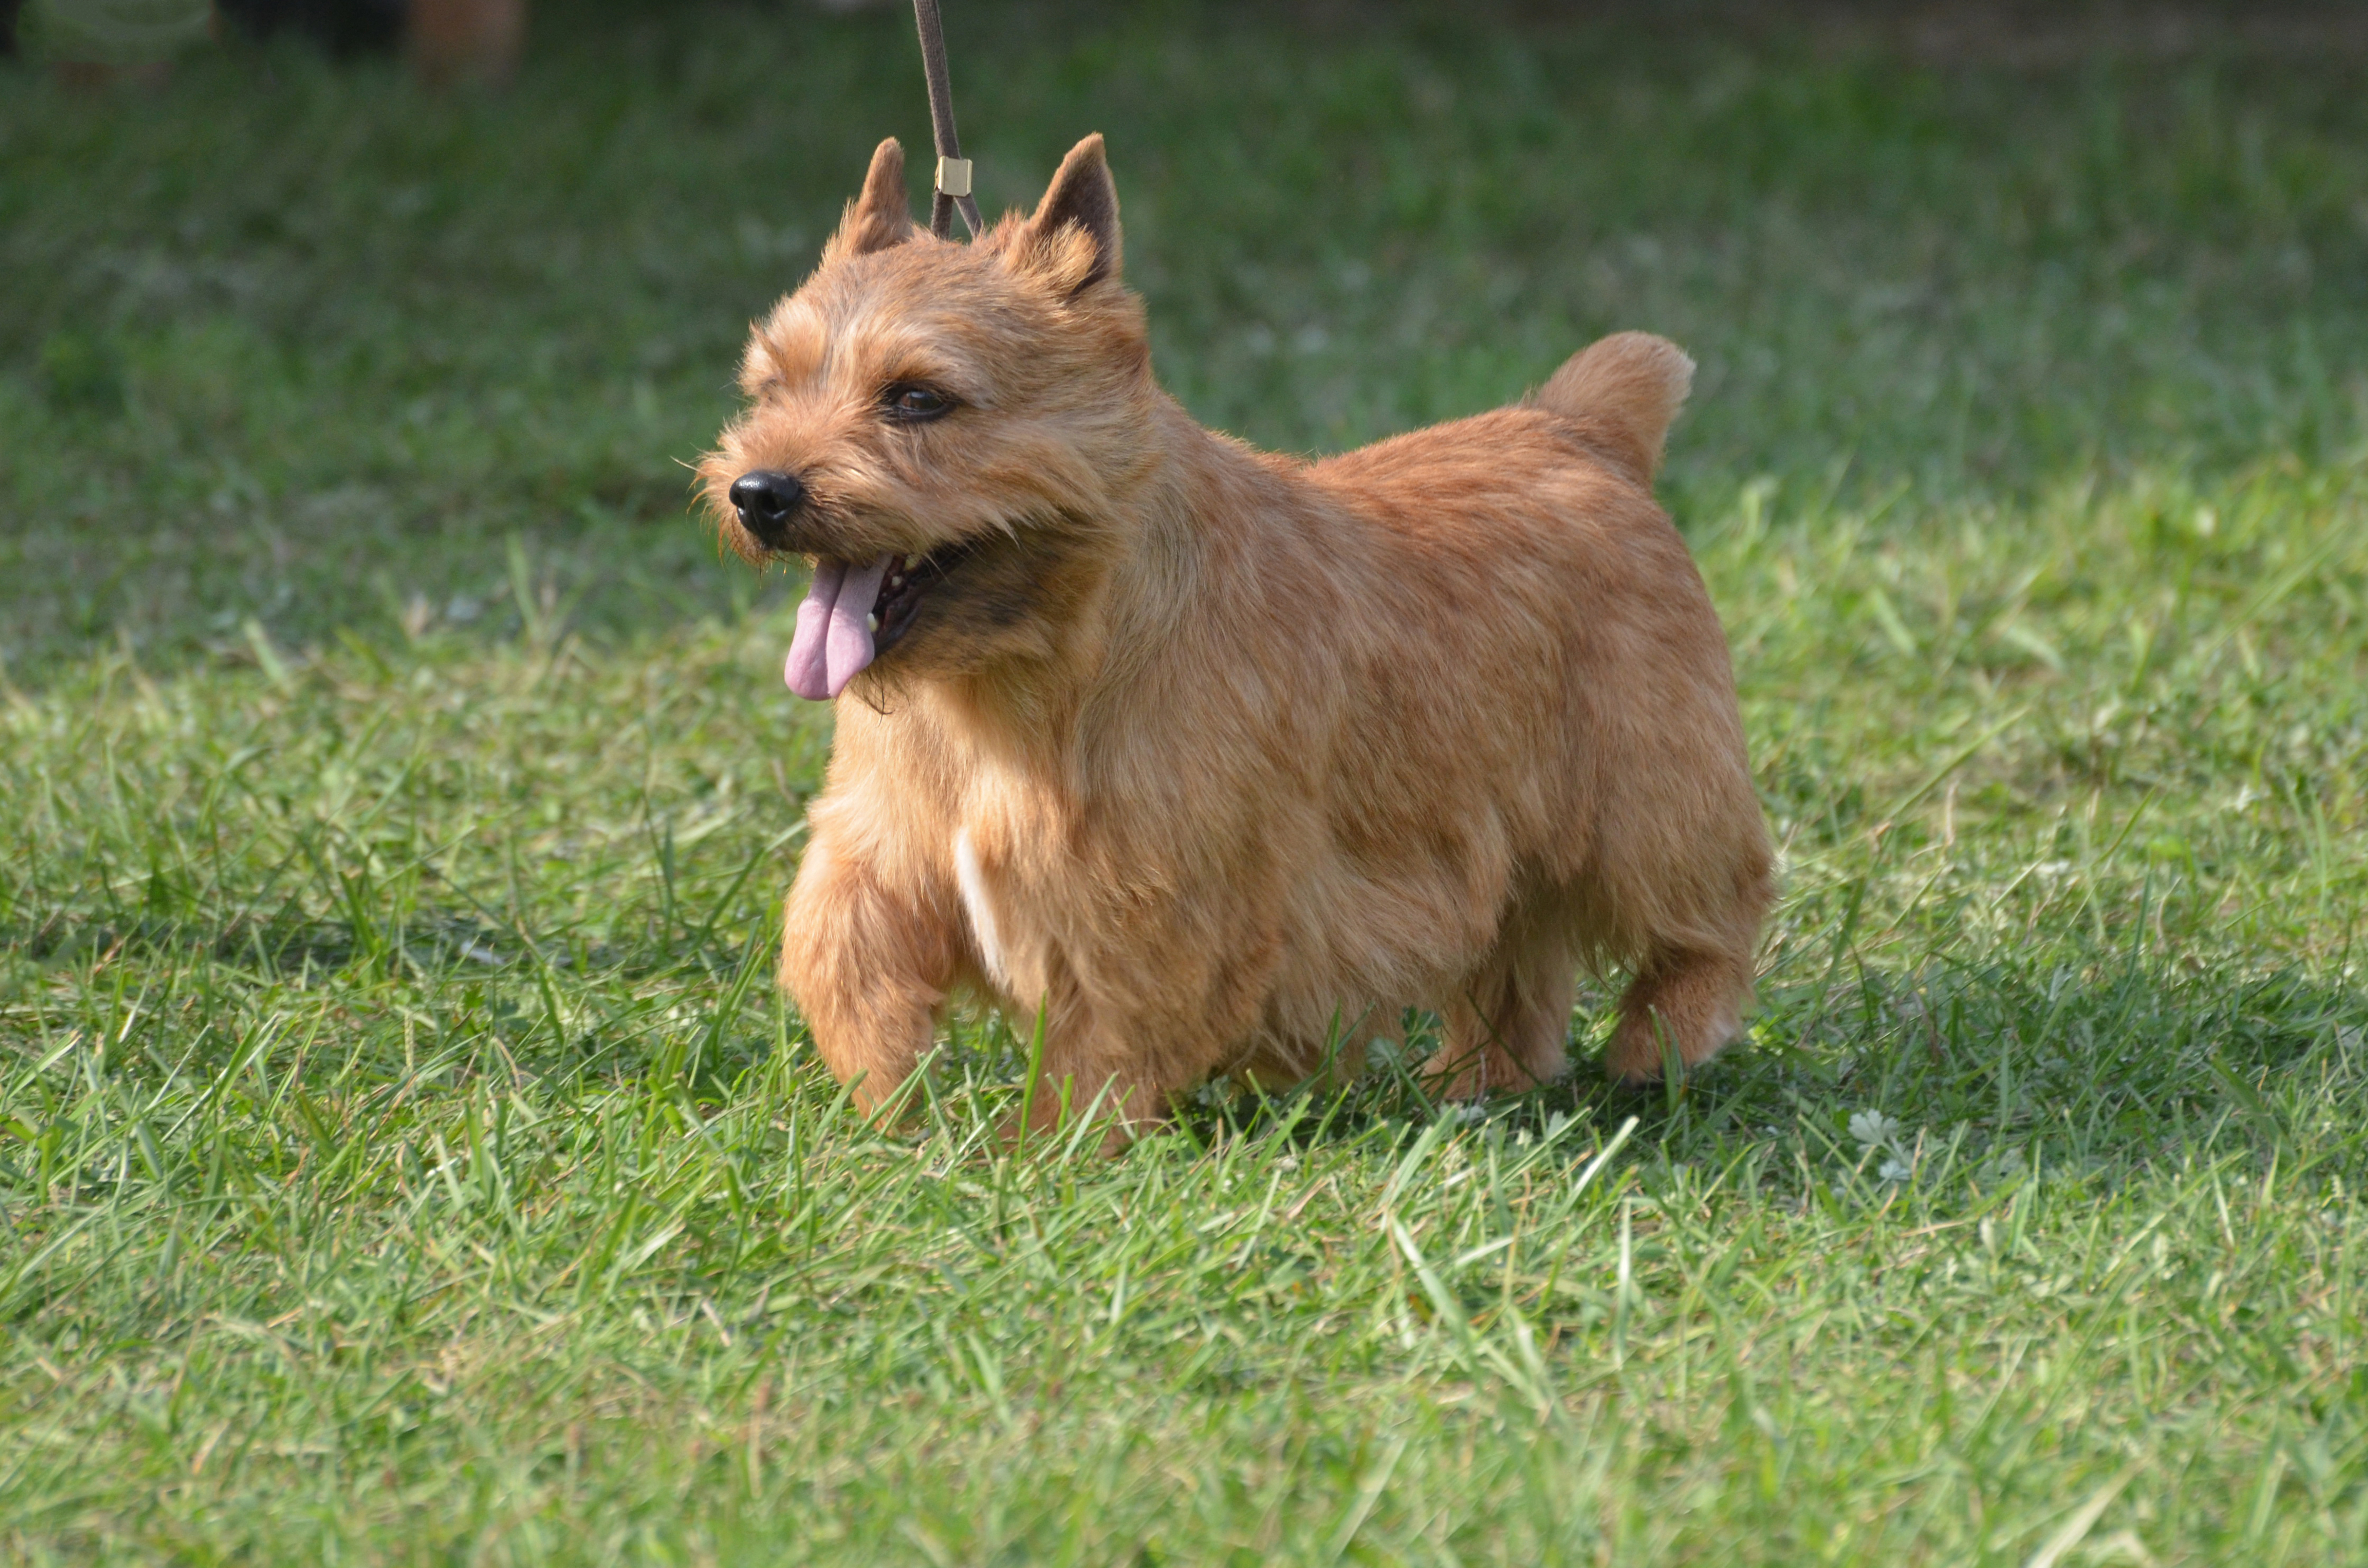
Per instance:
x=2114, y=1063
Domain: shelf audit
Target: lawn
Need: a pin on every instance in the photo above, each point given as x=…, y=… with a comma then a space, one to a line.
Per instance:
x=406, y=1158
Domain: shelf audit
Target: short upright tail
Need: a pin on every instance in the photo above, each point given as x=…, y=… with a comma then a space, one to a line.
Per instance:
x=1625, y=389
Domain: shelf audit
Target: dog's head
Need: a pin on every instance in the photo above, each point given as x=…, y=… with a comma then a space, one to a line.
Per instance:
x=937, y=426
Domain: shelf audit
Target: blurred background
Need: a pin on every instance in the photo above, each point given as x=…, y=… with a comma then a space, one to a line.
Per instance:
x=313, y=306
x=397, y=788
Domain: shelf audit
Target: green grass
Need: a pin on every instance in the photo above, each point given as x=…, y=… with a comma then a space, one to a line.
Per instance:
x=403, y=1156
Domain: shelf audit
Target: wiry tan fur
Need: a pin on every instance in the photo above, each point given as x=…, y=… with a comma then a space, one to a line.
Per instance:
x=1214, y=755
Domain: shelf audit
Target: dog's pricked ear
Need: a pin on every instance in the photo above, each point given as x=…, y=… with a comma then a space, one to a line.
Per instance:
x=1072, y=234
x=883, y=215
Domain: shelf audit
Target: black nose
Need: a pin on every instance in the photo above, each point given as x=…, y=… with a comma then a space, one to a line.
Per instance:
x=766, y=498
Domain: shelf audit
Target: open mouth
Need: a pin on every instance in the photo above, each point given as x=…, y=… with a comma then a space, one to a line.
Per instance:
x=908, y=582
x=854, y=612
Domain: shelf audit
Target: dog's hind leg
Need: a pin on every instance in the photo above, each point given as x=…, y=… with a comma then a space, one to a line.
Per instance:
x=1506, y=1032
x=1682, y=1002
x=868, y=964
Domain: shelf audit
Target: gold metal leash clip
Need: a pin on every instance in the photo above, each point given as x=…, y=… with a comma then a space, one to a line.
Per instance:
x=953, y=177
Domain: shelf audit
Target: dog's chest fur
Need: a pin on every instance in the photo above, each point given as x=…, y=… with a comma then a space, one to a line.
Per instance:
x=998, y=832
x=1001, y=873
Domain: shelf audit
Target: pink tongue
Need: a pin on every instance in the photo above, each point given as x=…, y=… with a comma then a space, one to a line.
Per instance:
x=833, y=637
x=805, y=671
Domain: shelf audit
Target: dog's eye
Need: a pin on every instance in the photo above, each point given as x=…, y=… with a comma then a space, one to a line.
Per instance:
x=915, y=403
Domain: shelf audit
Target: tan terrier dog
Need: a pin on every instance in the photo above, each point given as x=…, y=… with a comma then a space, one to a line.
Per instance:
x=1218, y=760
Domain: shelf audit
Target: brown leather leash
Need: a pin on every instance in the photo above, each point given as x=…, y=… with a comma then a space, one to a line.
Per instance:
x=953, y=184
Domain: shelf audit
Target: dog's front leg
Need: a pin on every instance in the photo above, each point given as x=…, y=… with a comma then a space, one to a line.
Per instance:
x=1132, y=1030
x=1088, y=1074
x=867, y=960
